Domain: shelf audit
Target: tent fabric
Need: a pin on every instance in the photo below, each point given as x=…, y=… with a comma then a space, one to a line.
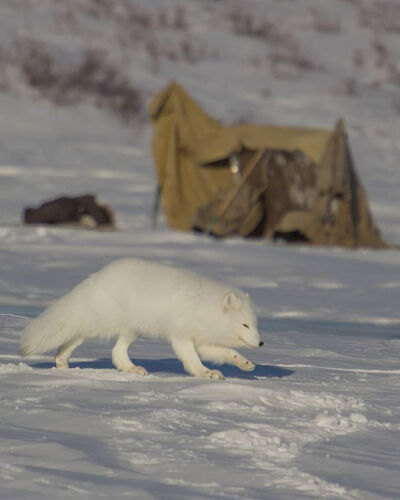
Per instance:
x=308, y=186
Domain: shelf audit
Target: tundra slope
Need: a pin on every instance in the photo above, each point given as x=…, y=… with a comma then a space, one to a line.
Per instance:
x=130, y=298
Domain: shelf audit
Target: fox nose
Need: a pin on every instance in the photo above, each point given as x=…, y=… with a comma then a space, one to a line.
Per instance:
x=261, y=344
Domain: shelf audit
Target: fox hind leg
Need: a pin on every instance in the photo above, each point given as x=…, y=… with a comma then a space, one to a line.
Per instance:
x=120, y=357
x=64, y=352
x=220, y=355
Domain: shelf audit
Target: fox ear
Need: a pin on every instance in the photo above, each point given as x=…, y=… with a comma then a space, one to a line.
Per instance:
x=231, y=301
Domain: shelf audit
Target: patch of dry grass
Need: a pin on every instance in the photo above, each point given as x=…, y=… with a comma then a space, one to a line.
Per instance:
x=94, y=78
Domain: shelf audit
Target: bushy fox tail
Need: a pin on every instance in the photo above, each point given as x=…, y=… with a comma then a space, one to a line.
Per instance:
x=55, y=326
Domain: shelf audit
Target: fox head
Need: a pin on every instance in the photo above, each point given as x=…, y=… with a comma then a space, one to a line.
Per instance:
x=239, y=320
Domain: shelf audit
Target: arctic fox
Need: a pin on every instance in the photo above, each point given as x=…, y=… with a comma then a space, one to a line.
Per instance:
x=128, y=298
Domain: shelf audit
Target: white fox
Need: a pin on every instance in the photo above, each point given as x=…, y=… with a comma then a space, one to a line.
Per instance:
x=128, y=298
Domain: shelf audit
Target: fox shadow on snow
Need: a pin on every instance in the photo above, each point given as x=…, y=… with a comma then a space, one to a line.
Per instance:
x=173, y=366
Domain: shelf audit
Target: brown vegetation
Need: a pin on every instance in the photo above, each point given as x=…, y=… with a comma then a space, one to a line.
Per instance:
x=94, y=78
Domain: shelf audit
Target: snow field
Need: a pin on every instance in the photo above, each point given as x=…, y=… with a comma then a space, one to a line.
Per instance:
x=319, y=416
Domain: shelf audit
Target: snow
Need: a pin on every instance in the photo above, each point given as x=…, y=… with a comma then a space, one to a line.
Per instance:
x=319, y=416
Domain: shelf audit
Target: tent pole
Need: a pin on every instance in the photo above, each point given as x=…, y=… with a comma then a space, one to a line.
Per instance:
x=229, y=199
x=156, y=206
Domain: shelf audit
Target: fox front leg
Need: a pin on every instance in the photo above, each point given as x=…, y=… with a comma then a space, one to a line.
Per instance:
x=221, y=355
x=186, y=352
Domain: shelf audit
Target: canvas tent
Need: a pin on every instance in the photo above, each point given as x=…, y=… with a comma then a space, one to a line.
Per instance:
x=257, y=180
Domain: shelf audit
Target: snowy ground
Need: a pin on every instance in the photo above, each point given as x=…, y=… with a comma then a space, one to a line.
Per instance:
x=320, y=415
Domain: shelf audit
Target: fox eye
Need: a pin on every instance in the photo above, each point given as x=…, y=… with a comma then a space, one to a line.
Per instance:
x=246, y=326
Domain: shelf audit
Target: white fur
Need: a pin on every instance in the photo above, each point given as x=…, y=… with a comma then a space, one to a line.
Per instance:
x=130, y=298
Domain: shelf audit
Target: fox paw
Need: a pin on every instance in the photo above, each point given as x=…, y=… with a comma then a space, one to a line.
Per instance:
x=136, y=369
x=61, y=363
x=247, y=366
x=213, y=374
x=244, y=364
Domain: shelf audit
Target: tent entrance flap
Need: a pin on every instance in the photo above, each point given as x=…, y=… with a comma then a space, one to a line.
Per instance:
x=257, y=180
x=239, y=210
